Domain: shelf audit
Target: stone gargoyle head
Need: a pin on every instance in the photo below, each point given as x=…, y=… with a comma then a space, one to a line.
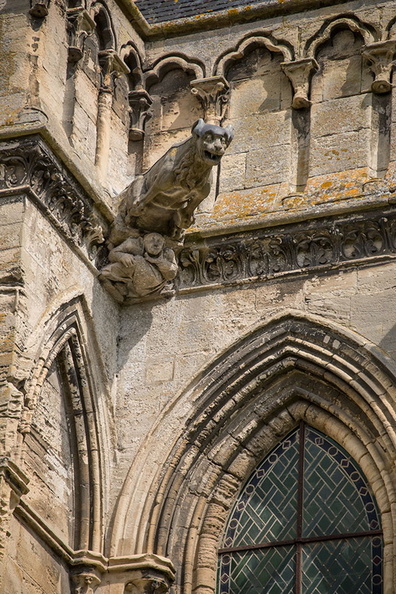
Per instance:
x=212, y=141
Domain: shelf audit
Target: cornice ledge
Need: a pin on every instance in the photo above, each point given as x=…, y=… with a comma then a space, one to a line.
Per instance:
x=219, y=19
x=14, y=476
x=28, y=166
x=142, y=562
x=330, y=243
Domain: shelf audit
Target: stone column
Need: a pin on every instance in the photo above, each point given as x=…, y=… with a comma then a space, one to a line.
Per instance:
x=111, y=66
x=13, y=484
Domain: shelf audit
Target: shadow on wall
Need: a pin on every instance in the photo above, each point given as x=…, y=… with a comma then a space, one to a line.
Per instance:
x=388, y=343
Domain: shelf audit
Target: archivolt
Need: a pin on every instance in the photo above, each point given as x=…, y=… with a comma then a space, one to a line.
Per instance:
x=292, y=368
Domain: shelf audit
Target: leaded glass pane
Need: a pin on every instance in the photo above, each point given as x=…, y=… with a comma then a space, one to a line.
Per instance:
x=334, y=502
x=341, y=567
x=266, y=509
x=269, y=570
x=336, y=497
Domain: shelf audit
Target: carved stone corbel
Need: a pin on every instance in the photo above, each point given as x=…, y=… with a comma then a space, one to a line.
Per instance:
x=139, y=103
x=213, y=93
x=85, y=581
x=380, y=56
x=80, y=25
x=39, y=8
x=299, y=73
x=147, y=581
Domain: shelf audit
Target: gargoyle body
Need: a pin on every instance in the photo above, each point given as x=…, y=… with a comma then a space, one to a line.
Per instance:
x=161, y=202
x=165, y=197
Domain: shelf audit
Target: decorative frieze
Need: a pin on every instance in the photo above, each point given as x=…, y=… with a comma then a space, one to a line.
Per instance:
x=275, y=252
x=27, y=164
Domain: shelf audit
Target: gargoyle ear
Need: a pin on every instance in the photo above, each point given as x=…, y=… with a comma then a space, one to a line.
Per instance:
x=197, y=127
x=229, y=133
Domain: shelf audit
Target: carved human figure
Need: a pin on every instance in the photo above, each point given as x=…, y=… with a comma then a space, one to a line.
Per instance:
x=165, y=197
x=141, y=266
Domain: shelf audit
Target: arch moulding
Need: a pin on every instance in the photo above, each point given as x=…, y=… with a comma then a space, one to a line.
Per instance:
x=293, y=368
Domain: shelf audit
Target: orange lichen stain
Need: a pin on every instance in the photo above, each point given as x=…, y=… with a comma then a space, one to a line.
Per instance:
x=327, y=184
x=232, y=12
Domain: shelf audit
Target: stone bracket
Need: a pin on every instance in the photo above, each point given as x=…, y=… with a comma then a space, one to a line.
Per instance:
x=139, y=103
x=39, y=8
x=380, y=56
x=213, y=93
x=80, y=26
x=299, y=73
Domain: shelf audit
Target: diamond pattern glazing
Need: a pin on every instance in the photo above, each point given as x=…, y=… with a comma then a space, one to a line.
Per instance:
x=336, y=498
x=307, y=476
x=266, y=509
x=270, y=570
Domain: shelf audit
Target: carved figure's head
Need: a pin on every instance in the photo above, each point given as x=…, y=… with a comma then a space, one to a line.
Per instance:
x=153, y=243
x=212, y=141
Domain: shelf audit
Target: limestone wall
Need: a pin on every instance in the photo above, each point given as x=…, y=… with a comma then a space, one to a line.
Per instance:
x=127, y=431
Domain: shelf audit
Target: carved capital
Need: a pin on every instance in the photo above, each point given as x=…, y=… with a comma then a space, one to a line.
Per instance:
x=111, y=67
x=39, y=8
x=213, y=92
x=380, y=56
x=147, y=581
x=299, y=73
x=80, y=25
x=85, y=581
x=139, y=103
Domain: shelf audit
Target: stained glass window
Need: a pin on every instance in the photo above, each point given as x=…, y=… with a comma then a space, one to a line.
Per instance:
x=306, y=522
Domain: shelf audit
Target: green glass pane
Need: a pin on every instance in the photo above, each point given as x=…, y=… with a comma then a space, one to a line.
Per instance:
x=266, y=508
x=338, y=567
x=269, y=570
x=336, y=497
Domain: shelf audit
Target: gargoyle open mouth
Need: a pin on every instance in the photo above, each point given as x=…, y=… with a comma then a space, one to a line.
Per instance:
x=214, y=157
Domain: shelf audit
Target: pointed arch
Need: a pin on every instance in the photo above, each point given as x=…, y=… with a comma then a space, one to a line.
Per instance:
x=293, y=368
x=68, y=344
x=256, y=38
x=104, y=26
x=169, y=62
x=131, y=56
x=347, y=21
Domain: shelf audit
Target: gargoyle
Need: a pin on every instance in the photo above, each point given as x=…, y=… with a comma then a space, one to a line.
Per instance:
x=155, y=210
x=165, y=197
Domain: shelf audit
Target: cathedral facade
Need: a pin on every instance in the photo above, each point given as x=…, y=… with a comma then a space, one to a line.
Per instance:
x=198, y=296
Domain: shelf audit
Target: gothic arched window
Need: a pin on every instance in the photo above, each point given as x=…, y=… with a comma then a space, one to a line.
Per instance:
x=306, y=522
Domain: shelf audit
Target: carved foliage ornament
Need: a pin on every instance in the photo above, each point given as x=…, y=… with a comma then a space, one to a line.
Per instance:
x=272, y=253
x=29, y=163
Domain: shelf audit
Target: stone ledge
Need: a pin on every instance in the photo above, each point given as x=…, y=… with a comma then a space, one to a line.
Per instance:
x=316, y=245
x=28, y=166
